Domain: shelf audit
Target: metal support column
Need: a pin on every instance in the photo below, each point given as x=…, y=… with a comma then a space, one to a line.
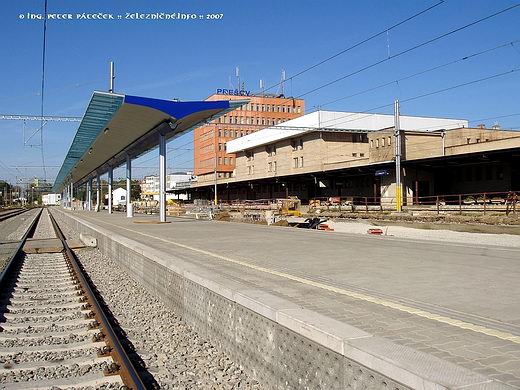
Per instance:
x=89, y=195
x=162, y=177
x=110, y=179
x=128, y=186
x=98, y=189
x=71, y=194
x=397, y=132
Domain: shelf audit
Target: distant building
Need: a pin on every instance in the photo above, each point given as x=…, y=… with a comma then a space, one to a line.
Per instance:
x=174, y=181
x=329, y=153
x=51, y=199
x=210, y=141
x=119, y=196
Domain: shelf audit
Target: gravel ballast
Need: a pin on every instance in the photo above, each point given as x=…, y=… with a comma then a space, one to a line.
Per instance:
x=174, y=354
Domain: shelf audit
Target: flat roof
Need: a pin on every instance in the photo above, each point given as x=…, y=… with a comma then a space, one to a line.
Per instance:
x=116, y=125
x=339, y=121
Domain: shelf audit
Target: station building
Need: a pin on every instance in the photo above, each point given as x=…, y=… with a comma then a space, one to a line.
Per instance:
x=258, y=112
x=331, y=153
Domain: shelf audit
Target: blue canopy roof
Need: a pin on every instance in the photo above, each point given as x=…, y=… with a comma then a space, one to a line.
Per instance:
x=117, y=125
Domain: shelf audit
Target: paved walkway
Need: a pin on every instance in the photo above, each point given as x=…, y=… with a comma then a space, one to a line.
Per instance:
x=457, y=302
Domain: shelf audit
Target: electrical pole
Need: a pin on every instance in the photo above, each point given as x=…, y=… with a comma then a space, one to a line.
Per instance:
x=397, y=133
x=112, y=77
x=216, y=199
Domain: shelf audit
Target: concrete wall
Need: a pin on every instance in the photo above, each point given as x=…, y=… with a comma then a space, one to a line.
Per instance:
x=276, y=342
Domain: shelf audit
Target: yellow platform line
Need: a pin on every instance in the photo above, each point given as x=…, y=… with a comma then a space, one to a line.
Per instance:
x=352, y=294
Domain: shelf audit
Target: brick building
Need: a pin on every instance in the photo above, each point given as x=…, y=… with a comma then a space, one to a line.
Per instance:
x=259, y=112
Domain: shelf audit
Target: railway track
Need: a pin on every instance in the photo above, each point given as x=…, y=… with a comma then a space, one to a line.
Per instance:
x=53, y=331
x=6, y=214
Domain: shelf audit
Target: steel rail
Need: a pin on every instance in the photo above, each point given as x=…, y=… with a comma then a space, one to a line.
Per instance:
x=6, y=214
x=126, y=369
x=10, y=263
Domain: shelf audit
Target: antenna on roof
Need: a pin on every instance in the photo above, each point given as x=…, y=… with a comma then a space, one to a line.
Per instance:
x=237, y=75
x=112, y=77
x=282, y=83
x=261, y=86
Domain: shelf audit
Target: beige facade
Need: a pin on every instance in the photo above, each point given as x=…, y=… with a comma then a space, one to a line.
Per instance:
x=311, y=152
x=361, y=164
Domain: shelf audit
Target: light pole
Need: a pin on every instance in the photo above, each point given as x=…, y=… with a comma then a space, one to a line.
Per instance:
x=397, y=132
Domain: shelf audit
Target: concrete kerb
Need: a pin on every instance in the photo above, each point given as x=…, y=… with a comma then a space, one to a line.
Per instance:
x=412, y=368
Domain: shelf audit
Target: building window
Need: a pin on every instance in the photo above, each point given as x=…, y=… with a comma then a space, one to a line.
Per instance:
x=371, y=143
x=220, y=147
x=252, y=120
x=268, y=108
x=389, y=141
x=301, y=162
x=225, y=133
x=361, y=154
x=468, y=140
x=269, y=166
x=247, y=120
x=283, y=108
x=225, y=161
x=274, y=150
x=354, y=154
x=231, y=161
x=242, y=133
x=478, y=140
x=220, y=133
x=274, y=166
x=377, y=143
x=220, y=161
x=383, y=142
x=249, y=170
x=236, y=133
x=295, y=162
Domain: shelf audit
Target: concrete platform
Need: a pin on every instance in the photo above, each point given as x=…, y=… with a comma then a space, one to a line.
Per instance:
x=314, y=309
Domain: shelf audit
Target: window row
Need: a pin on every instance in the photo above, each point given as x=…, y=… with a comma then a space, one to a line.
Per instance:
x=249, y=120
x=381, y=142
x=290, y=108
x=298, y=162
x=225, y=160
x=233, y=134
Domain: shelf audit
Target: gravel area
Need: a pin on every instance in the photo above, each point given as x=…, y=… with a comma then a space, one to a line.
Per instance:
x=360, y=227
x=38, y=319
x=14, y=228
x=60, y=372
x=44, y=228
x=48, y=356
x=174, y=354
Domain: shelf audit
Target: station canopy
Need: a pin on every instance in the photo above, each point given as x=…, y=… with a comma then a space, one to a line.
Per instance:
x=116, y=125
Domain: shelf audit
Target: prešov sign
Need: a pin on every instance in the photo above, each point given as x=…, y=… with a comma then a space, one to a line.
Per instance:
x=236, y=92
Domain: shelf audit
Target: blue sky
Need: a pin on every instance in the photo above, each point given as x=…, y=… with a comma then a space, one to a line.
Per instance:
x=190, y=59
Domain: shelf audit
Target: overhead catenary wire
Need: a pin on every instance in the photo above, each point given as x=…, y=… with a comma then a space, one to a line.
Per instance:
x=360, y=43
x=410, y=49
x=424, y=71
